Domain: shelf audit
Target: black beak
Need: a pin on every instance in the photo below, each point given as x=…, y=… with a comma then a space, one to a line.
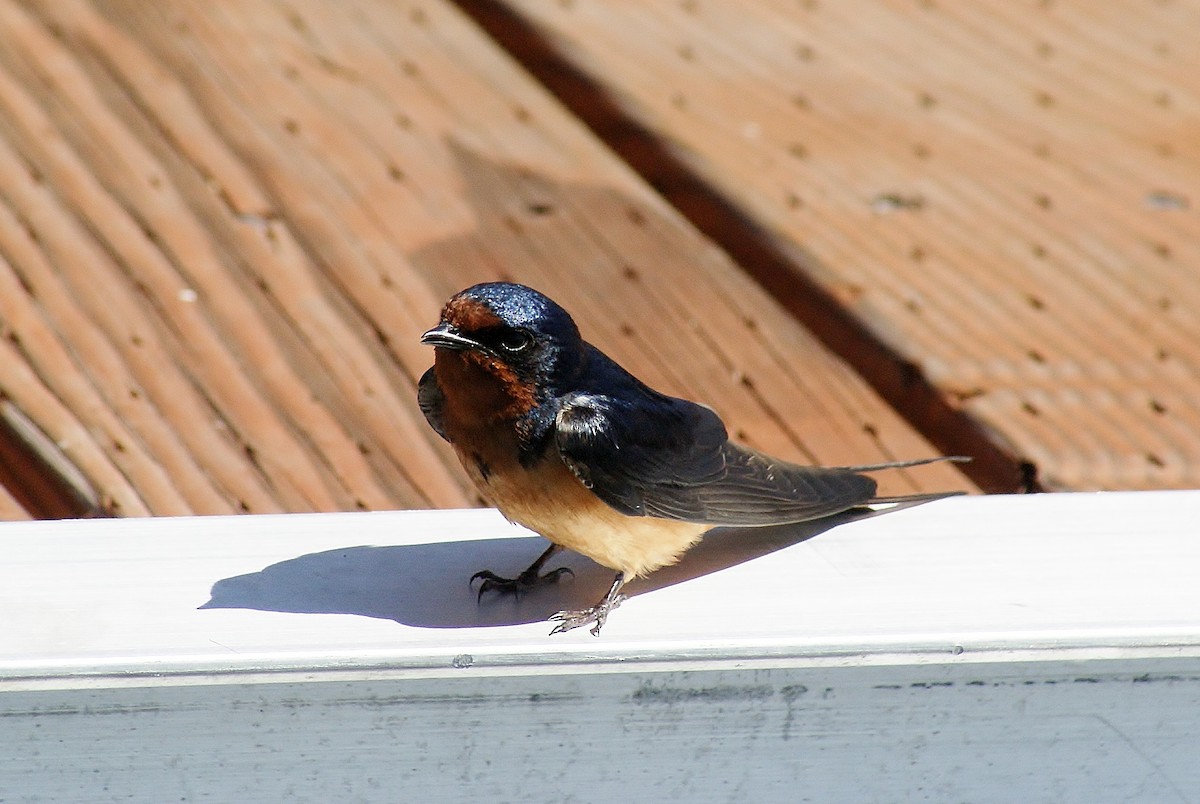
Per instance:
x=444, y=336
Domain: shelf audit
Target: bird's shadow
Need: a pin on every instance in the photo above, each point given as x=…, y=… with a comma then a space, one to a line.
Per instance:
x=427, y=585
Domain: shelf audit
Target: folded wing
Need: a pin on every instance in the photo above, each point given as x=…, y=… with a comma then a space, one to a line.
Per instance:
x=670, y=458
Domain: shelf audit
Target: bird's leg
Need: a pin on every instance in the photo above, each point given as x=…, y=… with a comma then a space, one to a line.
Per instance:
x=528, y=579
x=597, y=614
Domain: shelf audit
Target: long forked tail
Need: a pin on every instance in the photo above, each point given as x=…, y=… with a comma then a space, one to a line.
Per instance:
x=912, y=499
x=915, y=498
x=874, y=467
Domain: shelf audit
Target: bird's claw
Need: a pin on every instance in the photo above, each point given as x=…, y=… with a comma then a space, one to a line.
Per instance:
x=518, y=585
x=597, y=614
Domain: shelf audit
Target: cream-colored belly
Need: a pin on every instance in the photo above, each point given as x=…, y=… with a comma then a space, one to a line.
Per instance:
x=550, y=500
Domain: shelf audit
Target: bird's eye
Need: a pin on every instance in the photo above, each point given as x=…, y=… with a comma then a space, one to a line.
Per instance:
x=516, y=341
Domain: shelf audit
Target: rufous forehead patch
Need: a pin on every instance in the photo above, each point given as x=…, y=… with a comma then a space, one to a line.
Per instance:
x=469, y=315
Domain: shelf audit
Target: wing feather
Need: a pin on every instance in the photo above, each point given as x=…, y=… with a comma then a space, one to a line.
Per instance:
x=670, y=458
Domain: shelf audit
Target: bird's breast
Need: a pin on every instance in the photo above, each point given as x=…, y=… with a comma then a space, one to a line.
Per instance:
x=481, y=408
x=479, y=414
x=479, y=391
x=549, y=499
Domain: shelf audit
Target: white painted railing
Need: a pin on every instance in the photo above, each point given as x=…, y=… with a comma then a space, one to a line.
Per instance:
x=1042, y=648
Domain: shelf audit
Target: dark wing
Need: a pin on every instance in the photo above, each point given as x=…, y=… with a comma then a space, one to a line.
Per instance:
x=641, y=457
x=760, y=490
x=671, y=458
x=431, y=399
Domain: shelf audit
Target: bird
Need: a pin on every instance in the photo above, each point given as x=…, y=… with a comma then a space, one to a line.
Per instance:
x=567, y=443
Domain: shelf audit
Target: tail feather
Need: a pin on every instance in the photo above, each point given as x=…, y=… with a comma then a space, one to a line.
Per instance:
x=875, y=467
x=915, y=498
x=911, y=499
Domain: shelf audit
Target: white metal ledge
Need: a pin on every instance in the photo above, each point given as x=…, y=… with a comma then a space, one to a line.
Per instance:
x=1041, y=648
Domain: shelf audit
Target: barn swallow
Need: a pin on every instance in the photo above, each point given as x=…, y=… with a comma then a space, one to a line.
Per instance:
x=568, y=444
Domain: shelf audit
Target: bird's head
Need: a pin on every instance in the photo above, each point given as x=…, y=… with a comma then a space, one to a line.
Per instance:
x=512, y=332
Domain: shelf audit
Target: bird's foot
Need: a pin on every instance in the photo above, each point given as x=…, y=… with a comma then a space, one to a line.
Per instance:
x=515, y=586
x=597, y=614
